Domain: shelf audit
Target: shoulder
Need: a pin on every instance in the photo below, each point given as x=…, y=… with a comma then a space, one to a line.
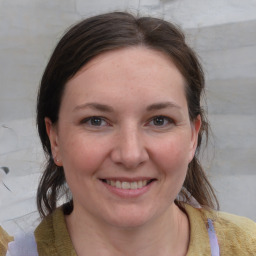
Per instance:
x=236, y=235
x=238, y=223
x=4, y=240
x=232, y=225
x=45, y=235
x=52, y=236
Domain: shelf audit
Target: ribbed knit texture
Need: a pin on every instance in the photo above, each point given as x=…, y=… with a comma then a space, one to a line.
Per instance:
x=236, y=235
x=52, y=236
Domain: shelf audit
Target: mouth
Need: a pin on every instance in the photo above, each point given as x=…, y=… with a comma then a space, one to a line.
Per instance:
x=128, y=185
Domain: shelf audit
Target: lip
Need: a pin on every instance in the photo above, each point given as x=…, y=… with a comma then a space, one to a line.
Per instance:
x=128, y=193
x=123, y=179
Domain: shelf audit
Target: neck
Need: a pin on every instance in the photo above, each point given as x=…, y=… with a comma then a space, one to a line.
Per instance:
x=164, y=236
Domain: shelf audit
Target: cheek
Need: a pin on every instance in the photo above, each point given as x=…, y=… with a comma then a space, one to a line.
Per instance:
x=81, y=161
x=81, y=155
x=173, y=154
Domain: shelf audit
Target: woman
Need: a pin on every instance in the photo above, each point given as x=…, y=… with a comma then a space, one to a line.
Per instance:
x=120, y=120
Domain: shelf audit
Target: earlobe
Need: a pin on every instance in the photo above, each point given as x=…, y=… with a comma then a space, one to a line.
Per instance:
x=53, y=137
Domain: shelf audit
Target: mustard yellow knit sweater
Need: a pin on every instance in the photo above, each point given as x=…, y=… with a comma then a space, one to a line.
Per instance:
x=236, y=235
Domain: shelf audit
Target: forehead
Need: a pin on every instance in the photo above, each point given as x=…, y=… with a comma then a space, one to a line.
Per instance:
x=130, y=71
x=136, y=55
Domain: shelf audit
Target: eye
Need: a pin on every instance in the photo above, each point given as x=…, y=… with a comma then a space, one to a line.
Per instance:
x=95, y=121
x=160, y=121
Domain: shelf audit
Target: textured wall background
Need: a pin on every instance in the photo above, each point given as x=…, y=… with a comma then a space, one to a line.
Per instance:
x=223, y=32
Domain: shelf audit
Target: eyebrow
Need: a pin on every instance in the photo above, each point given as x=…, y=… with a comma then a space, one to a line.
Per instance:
x=162, y=105
x=106, y=108
x=96, y=106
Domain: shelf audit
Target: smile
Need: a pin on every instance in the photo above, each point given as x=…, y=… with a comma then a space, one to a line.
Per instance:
x=127, y=185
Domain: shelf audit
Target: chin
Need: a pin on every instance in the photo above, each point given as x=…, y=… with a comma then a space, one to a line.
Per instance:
x=131, y=219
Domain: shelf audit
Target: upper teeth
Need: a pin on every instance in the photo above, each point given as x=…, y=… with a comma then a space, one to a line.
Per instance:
x=126, y=184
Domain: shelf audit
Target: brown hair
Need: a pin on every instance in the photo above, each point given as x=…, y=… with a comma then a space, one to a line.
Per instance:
x=107, y=32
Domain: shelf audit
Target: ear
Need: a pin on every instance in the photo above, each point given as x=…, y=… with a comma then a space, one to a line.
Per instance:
x=53, y=137
x=195, y=128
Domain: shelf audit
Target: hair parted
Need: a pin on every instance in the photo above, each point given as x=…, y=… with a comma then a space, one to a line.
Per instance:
x=108, y=32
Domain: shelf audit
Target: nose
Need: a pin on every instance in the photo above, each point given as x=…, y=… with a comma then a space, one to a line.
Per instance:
x=129, y=148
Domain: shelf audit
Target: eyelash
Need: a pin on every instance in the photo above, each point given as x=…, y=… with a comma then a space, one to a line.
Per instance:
x=166, y=121
x=91, y=118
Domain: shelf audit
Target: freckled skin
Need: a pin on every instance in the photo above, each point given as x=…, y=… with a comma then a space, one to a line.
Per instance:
x=127, y=143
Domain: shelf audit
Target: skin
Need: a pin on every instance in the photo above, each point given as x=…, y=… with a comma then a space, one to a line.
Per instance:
x=142, y=130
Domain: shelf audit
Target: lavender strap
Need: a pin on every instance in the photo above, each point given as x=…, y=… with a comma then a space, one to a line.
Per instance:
x=23, y=245
x=215, y=250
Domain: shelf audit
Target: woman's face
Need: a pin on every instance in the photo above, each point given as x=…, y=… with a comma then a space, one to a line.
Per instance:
x=124, y=136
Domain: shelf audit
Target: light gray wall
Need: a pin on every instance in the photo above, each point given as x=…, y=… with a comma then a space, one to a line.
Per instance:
x=223, y=32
